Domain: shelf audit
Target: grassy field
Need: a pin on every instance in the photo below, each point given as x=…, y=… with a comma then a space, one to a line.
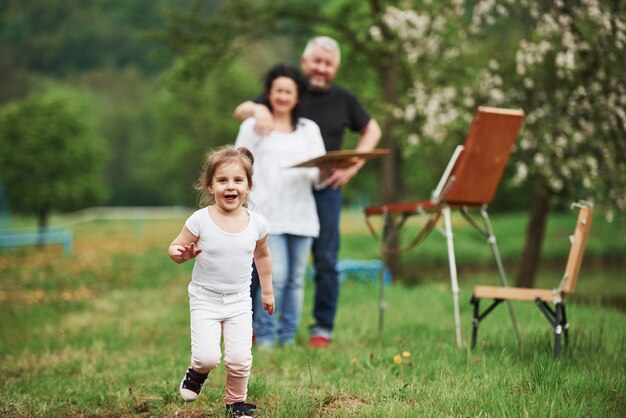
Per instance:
x=105, y=333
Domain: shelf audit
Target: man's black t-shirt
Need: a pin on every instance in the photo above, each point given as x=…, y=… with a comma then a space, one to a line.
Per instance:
x=333, y=111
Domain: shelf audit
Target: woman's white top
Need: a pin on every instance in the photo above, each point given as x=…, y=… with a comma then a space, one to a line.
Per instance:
x=284, y=195
x=225, y=263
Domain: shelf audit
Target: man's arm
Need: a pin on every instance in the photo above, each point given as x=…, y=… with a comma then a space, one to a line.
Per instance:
x=370, y=136
x=264, y=120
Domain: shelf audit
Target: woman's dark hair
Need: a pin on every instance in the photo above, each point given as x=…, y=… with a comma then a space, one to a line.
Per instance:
x=283, y=70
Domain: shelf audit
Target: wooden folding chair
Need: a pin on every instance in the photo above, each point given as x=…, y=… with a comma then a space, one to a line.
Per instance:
x=543, y=297
x=469, y=181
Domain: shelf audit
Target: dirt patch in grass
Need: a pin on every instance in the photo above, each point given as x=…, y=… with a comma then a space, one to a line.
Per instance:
x=340, y=404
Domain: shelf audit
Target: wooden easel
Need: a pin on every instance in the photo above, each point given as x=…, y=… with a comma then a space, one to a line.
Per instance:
x=469, y=182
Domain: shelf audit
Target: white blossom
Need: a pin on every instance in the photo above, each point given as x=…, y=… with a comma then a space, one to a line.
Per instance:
x=566, y=60
x=555, y=183
x=376, y=33
x=539, y=159
x=522, y=171
x=529, y=83
x=410, y=112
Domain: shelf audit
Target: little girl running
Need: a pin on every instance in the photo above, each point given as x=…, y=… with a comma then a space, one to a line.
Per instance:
x=224, y=237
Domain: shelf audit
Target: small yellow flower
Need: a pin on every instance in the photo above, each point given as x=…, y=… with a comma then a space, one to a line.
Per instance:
x=406, y=354
x=353, y=361
x=397, y=359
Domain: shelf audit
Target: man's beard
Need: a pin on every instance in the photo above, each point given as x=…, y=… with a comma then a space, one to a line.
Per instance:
x=319, y=87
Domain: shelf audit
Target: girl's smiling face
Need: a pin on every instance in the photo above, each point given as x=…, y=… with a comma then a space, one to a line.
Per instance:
x=230, y=187
x=283, y=95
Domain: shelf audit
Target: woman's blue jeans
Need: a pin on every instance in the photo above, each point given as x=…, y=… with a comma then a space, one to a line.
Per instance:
x=289, y=260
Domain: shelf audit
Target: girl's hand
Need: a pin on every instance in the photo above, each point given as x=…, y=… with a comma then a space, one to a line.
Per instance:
x=268, y=303
x=185, y=252
x=189, y=251
x=183, y=247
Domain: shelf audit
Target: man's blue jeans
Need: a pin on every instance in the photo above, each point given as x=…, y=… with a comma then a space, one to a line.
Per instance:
x=289, y=259
x=325, y=252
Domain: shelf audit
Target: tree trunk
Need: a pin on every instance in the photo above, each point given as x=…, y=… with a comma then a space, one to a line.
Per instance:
x=535, y=231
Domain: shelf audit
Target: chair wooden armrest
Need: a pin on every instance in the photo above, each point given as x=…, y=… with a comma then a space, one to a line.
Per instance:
x=516, y=293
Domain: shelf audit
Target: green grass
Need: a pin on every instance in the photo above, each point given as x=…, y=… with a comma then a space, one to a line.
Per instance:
x=105, y=333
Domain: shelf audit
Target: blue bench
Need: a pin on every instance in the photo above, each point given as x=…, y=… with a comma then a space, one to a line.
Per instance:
x=362, y=270
x=11, y=238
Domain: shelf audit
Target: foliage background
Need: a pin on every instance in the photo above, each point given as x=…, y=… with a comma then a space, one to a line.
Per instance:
x=163, y=76
x=159, y=109
x=161, y=79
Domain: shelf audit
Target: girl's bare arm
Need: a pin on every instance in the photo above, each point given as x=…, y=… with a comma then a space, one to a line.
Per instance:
x=263, y=262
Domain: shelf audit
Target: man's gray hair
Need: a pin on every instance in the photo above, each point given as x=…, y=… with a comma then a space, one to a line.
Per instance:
x=325, y=42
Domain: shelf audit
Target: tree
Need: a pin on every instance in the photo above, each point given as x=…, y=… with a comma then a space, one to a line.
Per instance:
x=568, y=74
x=50, y=158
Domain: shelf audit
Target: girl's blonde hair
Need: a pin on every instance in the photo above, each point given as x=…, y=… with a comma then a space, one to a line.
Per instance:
x=227, y=154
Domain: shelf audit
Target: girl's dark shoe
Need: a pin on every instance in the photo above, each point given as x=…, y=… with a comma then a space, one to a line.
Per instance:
x=191, y=385
x=240, y=409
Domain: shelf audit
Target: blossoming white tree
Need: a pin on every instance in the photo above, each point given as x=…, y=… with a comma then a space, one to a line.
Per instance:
x=567, y=74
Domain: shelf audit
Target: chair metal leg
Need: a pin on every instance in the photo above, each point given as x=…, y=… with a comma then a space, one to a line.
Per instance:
x=557, y=330
x=565, y=325
x=480, y=316
x=556, y=318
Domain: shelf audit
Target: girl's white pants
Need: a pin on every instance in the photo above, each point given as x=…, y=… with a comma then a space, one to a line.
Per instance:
x=214, y=314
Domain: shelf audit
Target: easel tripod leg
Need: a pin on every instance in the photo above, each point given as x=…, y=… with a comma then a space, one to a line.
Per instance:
x=453, y=276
